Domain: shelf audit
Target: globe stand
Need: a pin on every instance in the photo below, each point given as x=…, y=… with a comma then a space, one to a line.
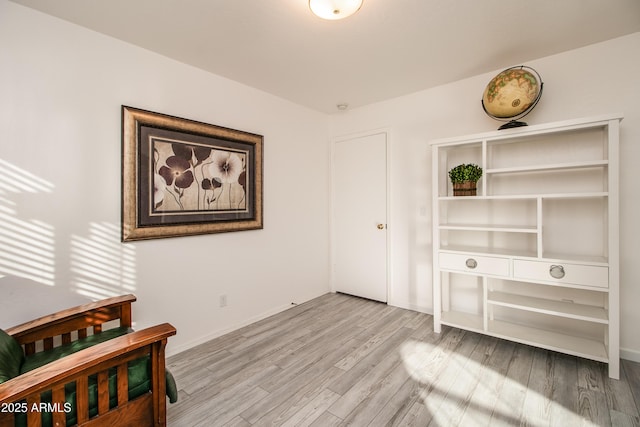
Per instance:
x=512, y=124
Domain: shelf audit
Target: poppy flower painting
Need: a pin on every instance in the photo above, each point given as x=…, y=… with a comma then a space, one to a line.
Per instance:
x=211, y=182
x=182, y=177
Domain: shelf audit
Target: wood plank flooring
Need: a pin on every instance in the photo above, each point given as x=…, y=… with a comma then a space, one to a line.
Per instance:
x=341, y=360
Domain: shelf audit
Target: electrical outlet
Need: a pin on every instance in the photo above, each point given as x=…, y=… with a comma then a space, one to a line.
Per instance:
x=223, y=300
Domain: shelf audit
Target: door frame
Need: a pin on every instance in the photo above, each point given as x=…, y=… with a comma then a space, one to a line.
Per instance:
x=335, y=140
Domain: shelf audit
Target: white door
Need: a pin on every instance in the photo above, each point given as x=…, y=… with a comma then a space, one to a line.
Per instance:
x=359, y=217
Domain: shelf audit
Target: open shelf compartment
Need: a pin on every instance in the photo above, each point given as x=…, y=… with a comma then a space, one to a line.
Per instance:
x=567, y=309
x=551, y=340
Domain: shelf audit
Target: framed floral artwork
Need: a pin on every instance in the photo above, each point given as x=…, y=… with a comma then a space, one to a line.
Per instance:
x=181, y=177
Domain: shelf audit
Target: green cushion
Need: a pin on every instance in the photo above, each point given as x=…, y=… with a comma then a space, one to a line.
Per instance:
x=11, y=357
x=171, y=386
x=44, y=357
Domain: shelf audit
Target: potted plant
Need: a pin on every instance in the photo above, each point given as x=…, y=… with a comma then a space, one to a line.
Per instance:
x=464, y=178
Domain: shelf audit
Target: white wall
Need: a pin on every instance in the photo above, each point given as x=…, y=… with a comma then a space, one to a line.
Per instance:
x=594, y=80
x=61, y=88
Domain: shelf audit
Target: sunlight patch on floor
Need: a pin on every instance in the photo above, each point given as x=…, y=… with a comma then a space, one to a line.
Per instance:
x=457, y=390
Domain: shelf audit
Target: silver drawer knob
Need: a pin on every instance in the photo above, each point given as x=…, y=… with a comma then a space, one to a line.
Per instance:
x=556, y=271
x=471, y=263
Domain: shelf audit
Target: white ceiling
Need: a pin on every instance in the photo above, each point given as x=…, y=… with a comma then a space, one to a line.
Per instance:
x=388, y=49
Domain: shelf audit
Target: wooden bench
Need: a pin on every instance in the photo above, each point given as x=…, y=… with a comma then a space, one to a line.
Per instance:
x=23, y=394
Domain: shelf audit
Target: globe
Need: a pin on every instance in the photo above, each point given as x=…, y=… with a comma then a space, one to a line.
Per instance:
x=512, y=94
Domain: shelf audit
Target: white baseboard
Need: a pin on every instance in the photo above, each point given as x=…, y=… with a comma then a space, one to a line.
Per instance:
x=628, y=354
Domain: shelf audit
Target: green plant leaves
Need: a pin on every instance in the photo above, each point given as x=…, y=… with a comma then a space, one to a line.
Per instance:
x=465, y=172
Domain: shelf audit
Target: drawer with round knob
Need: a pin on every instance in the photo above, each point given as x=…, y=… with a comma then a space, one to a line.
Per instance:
x=562, y=272
x=493, y=266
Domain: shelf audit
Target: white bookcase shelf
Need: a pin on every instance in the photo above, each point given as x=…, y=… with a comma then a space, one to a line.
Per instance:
x=550, y=167
x=567, y=309
x=481, y=227
x=552, y=340
x=584, y=195
x=532, y=258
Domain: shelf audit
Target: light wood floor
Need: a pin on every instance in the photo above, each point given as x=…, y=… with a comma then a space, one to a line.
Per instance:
x=341, y=360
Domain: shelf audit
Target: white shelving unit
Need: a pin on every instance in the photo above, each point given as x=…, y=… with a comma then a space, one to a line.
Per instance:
x=532, y=258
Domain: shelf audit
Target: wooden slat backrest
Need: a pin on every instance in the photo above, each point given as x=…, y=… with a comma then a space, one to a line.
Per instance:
x=6, y=419
x=76, y=319
x=33, y=417
x=103, y=392
x=123, y=384
x=58, y=399
x=82, y=399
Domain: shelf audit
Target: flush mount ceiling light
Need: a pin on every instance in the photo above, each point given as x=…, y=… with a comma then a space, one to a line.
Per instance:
x=334, y=9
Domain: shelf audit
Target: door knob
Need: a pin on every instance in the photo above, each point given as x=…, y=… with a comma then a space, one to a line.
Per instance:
x=380, y=226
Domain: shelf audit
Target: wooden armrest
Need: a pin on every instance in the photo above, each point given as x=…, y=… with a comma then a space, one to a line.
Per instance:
x=88, y=361
x=74, y=319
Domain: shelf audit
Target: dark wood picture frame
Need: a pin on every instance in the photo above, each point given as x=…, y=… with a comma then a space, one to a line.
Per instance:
x=182, y=177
